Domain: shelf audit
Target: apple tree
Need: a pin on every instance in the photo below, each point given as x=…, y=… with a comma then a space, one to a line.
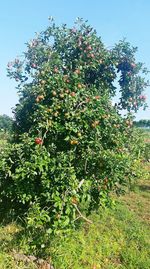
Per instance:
x=72, y=146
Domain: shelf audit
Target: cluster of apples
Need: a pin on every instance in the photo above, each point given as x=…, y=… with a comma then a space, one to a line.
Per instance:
x=135, y=103
x=33, y=43
x=126, y=66
x=85, y=47
x=129, y=123
x=74, y=142
x=132, y=102
x=16, y=64
x=39, y=98
x=95, y=124
x=142, y=97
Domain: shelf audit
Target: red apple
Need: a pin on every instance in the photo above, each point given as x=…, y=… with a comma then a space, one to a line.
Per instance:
x=73, y=30
x=54, y=93
x=79, y=86
x=41, y=97
x=56, y=70
x=89, y=48
x=73, y=94
x=42, y=82
x=129, y=73
x=133, y=65
x=33, y=65
x=97, y=97
x=77, y=71
x=38, y=141
x=61, y=95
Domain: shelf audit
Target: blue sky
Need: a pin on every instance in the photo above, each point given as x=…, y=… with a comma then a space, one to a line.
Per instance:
x=113, y=20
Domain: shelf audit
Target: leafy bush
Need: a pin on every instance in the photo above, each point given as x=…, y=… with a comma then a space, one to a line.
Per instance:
x=72, y=146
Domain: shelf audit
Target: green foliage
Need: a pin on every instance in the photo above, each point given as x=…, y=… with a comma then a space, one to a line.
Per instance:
x=142, y=123
x=146, y=151
x=73, y=147
x=6, y=126
x=5, y=123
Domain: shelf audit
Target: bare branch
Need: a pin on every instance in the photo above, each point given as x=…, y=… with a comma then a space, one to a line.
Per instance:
x=83, y=217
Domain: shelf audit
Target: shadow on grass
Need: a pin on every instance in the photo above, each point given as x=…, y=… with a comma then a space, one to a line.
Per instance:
x=144, y=188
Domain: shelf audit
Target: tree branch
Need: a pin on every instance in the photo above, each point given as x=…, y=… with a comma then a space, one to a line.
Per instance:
x=83, y=217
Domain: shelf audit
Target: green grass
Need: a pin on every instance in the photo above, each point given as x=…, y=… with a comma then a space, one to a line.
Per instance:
x=118, y=238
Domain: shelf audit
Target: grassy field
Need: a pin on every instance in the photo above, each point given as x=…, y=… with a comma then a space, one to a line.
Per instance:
x=117, y=239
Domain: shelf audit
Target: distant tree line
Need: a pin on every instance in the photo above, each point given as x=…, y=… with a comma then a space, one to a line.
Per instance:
x=142, y=123
x=6, y=123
